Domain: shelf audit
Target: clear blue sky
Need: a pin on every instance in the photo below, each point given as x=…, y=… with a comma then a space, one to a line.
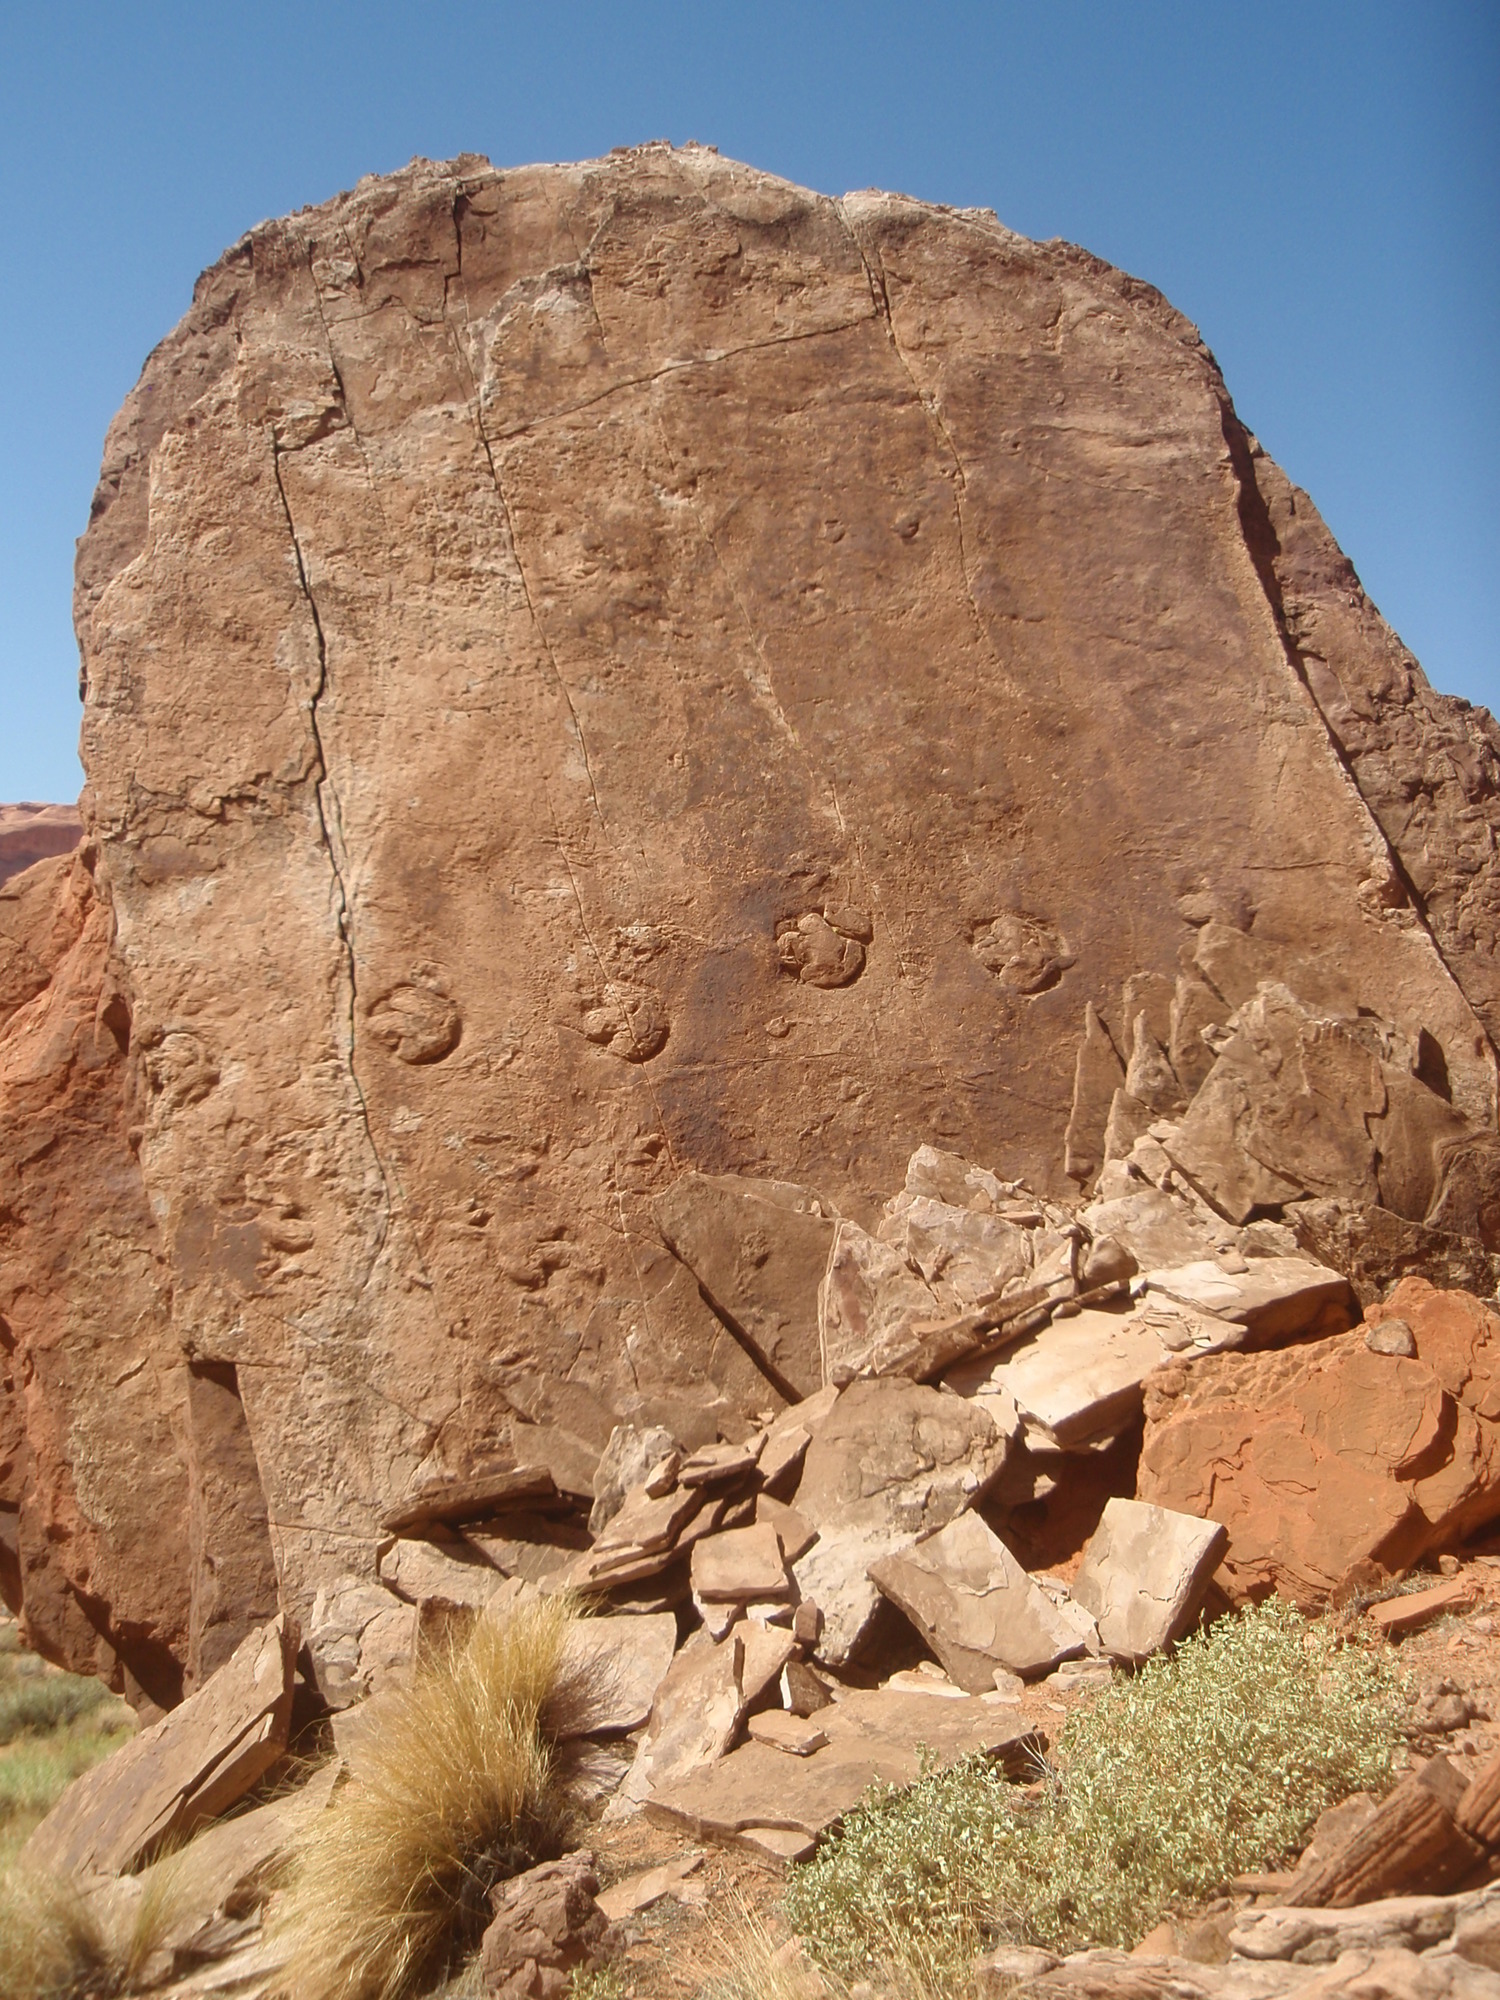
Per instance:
x=1315, y=184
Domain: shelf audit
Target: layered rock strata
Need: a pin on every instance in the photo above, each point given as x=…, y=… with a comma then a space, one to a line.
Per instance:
x=595, y=672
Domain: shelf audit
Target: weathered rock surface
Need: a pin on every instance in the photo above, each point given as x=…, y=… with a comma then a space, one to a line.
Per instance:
x=546, y=1924
x=1315, y=1458
x=977, y=1608
x=588, y=742
x=1144, y=1576
x=106, y=1534
x=891, y=1460
x=873, y=1737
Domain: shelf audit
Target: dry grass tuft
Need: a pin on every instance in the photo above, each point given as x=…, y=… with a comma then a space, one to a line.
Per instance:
x=742, y=1958
x=58, y=1944
x=449, y=1794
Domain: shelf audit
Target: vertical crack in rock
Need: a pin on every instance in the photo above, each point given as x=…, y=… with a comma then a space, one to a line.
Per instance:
x=332, y=833
x=1259, y=536
x=932, y=410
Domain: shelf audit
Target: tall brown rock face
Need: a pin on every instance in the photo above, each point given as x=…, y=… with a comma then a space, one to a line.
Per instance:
x=93, y=1488
x=599, y=670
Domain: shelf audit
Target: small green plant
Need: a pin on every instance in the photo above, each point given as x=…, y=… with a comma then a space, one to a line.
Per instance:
x=53, y=1726
x=597, y=1982
x=1202, y=1766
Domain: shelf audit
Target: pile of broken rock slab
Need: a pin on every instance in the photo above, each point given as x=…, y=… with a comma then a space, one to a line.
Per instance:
x=1022, y=1447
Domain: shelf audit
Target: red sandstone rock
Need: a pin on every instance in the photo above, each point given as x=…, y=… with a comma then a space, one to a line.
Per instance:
x=1317, y=1458
x=591, y=741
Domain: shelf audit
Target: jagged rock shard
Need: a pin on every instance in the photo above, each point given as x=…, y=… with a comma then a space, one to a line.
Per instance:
x=976, y=1607
x=189, y=1767
x=645, y=569
x=1144, y=1576
x=890, y=1460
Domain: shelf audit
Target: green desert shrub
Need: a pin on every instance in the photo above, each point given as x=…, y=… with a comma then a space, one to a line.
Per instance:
x=43, y=1703
x=53, y=1726
x=1204, y=1765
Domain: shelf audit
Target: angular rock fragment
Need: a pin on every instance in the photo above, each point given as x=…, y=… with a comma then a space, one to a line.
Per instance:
x=759, y=1250
x=627, y=1461
x=740, y=1566
x=976, y=1607
x=1319, y=1937
x=457, y=1574
x=769, y=1651
x=791, y=1733
x=1076, y=1380
x=610, y=1672
x=187, y=1768
x=1158, y=1228
x=1376, y=1249
x=873, y=1737
x=361, y=1639
x=1409, y=1612
x=470, y=1497
x=876, y=1316
x=797, y=1534
x=891, y=1460
x=639, y=1891
x=964, y=1258
x=546, y=1924
x=1144, y=1576
x=721, y=1464
x=695, y=1716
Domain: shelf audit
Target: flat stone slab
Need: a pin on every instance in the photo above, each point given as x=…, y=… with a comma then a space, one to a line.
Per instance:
x=977, y=1608
x=740, y=1566
x=873, y=1738
x=794, y=1734
x=1145, y=1574
x=1273, y=1299
x=420, y=1572
x=1077, y=1379
x=695, y=1717
x=470, y=1499
x=189, y=1767
x=611, y=1670
x=758, y=1248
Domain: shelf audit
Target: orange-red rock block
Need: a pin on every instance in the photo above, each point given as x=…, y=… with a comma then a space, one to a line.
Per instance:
x=1318, y=1458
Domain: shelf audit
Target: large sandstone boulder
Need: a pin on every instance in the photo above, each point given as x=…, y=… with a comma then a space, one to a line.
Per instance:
x=601, y=671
